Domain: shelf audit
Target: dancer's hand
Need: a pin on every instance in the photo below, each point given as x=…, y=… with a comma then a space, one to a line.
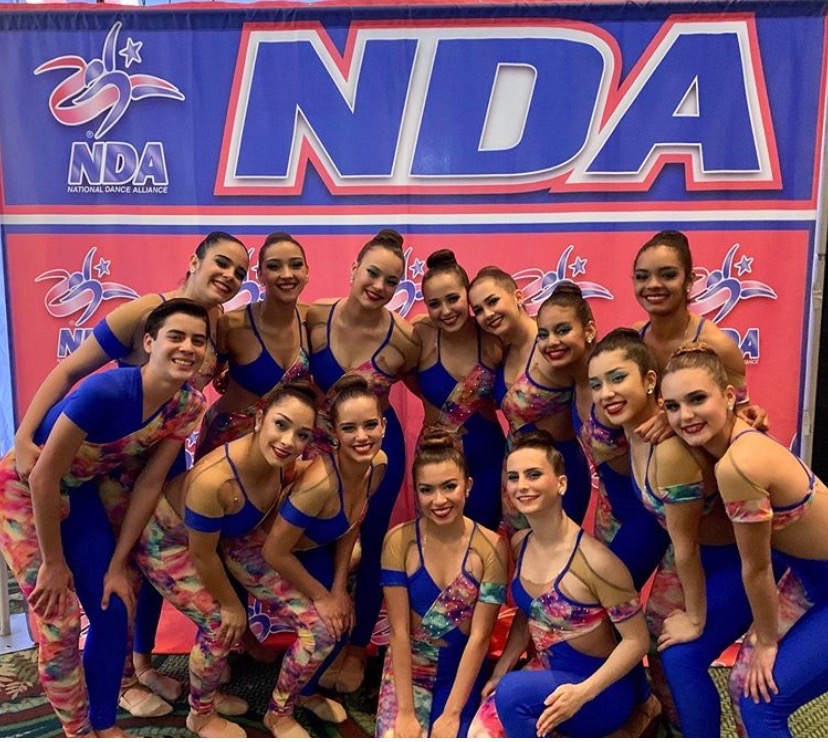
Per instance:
x=446, y=726
x=335, y=610
x=490, y=686
x=26, y=454
x=233, y=624
x=408, y=726
x=656, y=429
x=561, y=704
x=678, y=629
x=51, y=594
x=755, y=416
x=759, y=683
x=116, y=581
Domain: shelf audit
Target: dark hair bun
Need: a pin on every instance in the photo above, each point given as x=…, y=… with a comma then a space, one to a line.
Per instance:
x=622, y=332
x=389, y=237
x=443, y=258
x=567, y=288
x=302, y=389
x=438, y=438
x=351, y=382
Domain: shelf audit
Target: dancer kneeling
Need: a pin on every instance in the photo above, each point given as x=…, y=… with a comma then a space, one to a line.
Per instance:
x=227, y=494
x=573, y=595
x=301, y=568
x=444, y=578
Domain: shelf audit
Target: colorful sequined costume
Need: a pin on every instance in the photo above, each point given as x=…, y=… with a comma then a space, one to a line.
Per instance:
x=460, y=404
x=800, y=670
x=438, y=639
x=690, y=697
x=259, y=377
x=87, y=700
x=303, y=661
x=326, y=372
x=524, y=403
x=555, y=620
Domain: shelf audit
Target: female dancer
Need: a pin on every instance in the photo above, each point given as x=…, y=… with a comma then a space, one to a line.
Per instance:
x=301, y=568
x=149, y=411
x=531, y=393
x=227, y=494
x=566, y=335
x=263, y=342
x=697, y=607
x=575, y=599
x=777, y=507
x=358, y=334
x=663, y=278
x=455, y=378
x=444, y=578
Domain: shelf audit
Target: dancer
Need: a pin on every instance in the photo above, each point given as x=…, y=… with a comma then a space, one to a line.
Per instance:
x=227, y=494
x=139, y=414
x=531, y=394
x=575, y=599
x=455, y=379
x=263, y=342
x=663, y=279
x=357, y=334
x=301, y=568
x=444, y=578
x=697, y=607
x=779, y=510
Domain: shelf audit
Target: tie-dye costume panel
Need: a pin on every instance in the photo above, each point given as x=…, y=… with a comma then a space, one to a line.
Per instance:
x=438, y=641
x=554, y=620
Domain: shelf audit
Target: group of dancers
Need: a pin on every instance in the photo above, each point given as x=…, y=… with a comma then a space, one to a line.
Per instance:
x=300, y=462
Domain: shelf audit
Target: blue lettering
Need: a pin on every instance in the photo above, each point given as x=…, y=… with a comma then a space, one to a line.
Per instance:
x=152, y=166
x=69, y=340
x=86, y=162
x=749, y=344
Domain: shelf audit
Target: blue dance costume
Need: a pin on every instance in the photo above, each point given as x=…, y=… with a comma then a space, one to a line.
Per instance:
x=728, y=614
x=437, y=640
x=460, y=402
x=326, y=372
x=524, y=403
x=800, y=672
x=555, y=619
x=108, y=407
x=638, y=540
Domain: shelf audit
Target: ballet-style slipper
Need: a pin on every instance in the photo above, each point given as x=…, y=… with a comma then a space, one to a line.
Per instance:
x=143, y=703
x=331, y=675
x=162, y=685
x=230, y=705
x=213, y=726
x=324, y=708
x=351, y=675
x=284, y=726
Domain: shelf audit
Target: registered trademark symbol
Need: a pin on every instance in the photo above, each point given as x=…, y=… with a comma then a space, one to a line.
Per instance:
x=89, y=134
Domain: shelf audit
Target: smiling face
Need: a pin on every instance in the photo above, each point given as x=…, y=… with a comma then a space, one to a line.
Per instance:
x=697, y=408
x=376, y=277
x=446, y=301
x=531, y=482
x=619, y=389
x=177, y=351
x=496, y=308
x=283, y=271
x=284, y=430
x=562, y=339
x=359, y=428
x=660, y=280
x=442, y=489
x=218, y=276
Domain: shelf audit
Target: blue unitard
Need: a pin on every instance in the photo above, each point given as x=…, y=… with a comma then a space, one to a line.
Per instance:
x=326, y=372
x=459, y=402
x=524, y=403
x=108, y=407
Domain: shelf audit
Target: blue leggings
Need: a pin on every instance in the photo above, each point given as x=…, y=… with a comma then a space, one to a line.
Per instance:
x=686, y=665
x=579, y=480
x=520, y=695
x=801, y=667
x=88, y=545
x=368, y=598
